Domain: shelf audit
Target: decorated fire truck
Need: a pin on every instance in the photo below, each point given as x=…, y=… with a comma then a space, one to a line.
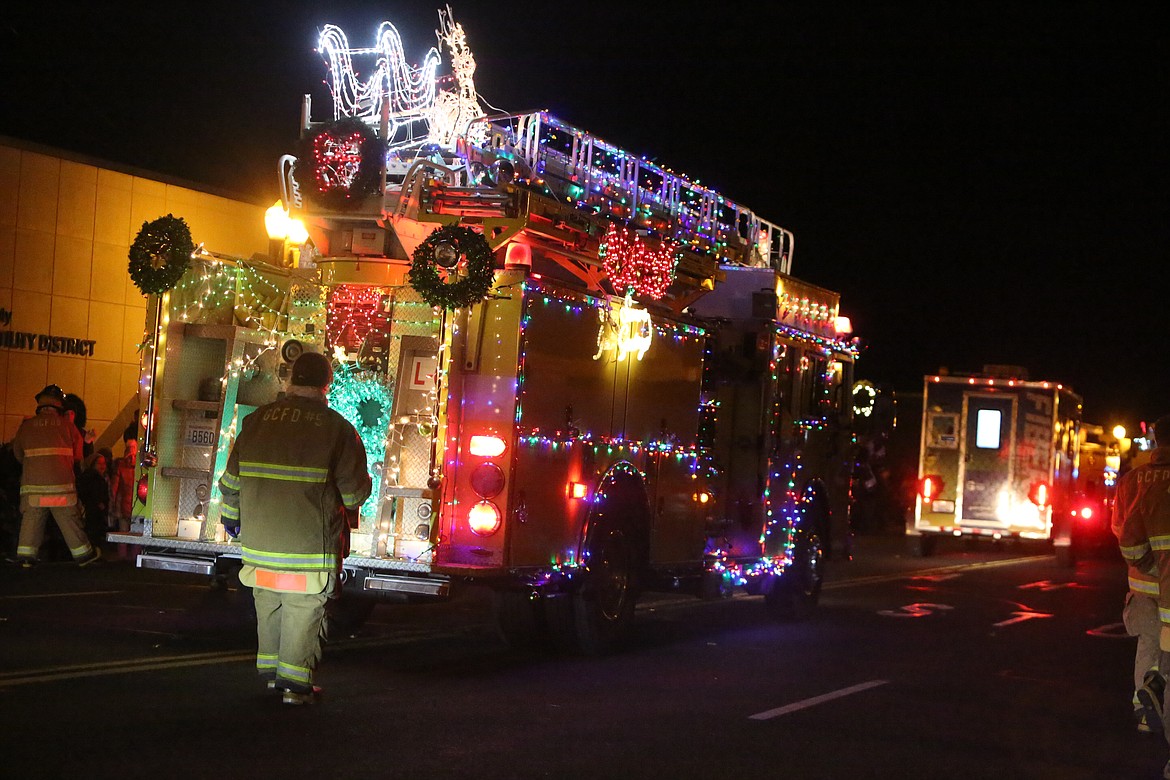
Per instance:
x=578, y=376
x=998, y=459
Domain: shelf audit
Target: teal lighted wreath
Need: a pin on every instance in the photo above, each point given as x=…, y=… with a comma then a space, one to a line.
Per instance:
x=363, y=399
x=160, y=254
x=453, y=267
x=340, y=164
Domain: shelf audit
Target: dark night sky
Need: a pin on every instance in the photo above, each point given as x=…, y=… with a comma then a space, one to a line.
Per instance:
x=983, y=182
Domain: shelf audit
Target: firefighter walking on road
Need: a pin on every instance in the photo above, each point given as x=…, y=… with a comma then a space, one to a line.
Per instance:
x=49, y=448
x=1140, y=616
x=296, y=474
x=1142, y=521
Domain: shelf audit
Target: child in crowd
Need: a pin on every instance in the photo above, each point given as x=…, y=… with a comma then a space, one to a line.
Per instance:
x=93, y=491
x=122, y=487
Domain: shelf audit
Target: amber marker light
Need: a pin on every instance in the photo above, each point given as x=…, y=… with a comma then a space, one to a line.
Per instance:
x=930, y=487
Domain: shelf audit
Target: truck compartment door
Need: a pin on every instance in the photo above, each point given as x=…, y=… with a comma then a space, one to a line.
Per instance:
x=988, y=444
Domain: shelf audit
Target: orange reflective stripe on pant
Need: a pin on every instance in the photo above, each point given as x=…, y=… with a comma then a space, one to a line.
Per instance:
x=282, y=581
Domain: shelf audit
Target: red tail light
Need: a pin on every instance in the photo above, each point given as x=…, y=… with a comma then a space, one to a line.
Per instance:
x=143, y=489
x=487, y=480
x=930, y=486
x=484, y=518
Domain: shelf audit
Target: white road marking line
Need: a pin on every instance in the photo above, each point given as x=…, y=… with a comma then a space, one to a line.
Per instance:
x=61, y=595
x=801, y=705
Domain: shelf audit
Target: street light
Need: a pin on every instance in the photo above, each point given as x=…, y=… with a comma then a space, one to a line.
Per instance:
x=282, y=231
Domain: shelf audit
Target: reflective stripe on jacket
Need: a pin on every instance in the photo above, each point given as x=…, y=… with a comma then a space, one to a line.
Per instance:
x=295, y=467
x=1141, y=521
x=47, y=446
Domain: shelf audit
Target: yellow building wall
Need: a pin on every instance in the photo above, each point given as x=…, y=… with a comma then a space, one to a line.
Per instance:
x=65, y=234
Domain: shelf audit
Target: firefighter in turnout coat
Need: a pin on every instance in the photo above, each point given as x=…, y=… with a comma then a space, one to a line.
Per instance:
x=1140, y=613
x=1142, y=521
x=295, y=476
x=49, y=446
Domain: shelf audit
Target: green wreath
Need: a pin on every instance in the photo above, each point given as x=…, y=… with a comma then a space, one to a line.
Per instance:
x=160, y=254
x=322, y=183
x=471, y=254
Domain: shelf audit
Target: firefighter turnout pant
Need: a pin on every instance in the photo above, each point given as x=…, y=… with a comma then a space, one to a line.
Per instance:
x=1141, y=620
x=290, y=629
x=35, y=511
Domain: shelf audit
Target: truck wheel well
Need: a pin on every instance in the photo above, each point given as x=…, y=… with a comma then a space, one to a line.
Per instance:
x=620, y=503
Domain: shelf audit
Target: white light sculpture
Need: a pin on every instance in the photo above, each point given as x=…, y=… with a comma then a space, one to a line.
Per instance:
x=406, y=95
x=409, y=90
x=625, y=330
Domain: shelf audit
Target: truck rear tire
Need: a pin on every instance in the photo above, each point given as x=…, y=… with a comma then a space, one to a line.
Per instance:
x=603, y=607
x=795, y=594
x=594, y=615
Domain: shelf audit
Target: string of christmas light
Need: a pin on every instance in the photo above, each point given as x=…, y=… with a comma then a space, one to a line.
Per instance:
x=579, y=303
x=606, y=180
x=353, y=312
x=205, y=287
x=370, y=313
x=362, y=398
x=410, y=90
x=785, y=508
x=454, y=111
x=337, y=160
x=214, y=284
x=633, y=266
x=419, y=113
x=423, y=419
x=537, y=292
x=827, y=346
x=610, y=444
x=222, y=449
x=804, y=310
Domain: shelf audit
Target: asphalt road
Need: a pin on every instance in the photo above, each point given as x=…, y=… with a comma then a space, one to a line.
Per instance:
x=980, y=662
